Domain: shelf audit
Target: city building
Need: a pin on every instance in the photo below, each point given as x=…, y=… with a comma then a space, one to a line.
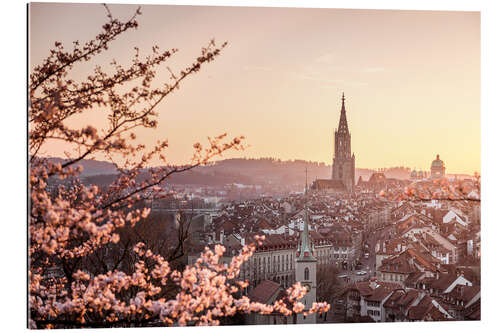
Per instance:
x=437, y=168
x=343, y=162
x=343, y=167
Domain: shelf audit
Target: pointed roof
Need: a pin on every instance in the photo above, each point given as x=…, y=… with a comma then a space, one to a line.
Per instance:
x=306, y=248
x=343, y=128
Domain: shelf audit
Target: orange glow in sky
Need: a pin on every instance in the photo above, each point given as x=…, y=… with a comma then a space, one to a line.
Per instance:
x=411, y=79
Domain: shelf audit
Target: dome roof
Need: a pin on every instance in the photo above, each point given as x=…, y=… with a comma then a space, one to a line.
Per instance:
x=437, y=163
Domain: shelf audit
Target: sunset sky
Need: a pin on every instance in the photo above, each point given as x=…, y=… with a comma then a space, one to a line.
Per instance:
x=411, y=79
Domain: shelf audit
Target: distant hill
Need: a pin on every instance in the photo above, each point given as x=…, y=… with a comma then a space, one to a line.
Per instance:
x=239, y=170
x=191, y=177
x=269, y=169
x=90, y=167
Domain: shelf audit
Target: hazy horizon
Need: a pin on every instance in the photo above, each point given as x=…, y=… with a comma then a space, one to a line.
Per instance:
x=321, y=164
x=411, y=79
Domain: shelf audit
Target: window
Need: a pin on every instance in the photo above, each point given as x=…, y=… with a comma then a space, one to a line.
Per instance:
x=373, y=303
x=306, y=273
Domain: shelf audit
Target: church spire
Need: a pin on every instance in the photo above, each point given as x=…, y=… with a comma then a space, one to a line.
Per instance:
x=343, y=128
x=305, y=250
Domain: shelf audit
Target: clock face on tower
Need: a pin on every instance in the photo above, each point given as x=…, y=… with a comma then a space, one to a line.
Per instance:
x=307, y=285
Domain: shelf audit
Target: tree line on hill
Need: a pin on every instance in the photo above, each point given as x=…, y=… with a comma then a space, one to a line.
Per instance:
x=258, y=171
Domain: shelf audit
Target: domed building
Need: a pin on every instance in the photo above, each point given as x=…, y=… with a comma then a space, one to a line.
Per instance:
x=437, y=168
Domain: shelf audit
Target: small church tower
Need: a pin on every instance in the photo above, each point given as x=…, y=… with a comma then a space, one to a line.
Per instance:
x=305, y=268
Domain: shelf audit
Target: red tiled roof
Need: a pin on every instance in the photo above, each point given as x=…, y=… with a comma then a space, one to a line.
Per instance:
x=264, y=291
x=413, y=278
x=321, y=184
x=419, y=311
x=408, y=298
x=380, y=293
x=474, y=311
x=392, y=301
x=398, y=264
x=423, y=260
x=444, y=281
x=465, y=293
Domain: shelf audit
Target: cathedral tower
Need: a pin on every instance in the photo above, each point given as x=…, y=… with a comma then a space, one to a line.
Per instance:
x=343, y=162
x=305, y=268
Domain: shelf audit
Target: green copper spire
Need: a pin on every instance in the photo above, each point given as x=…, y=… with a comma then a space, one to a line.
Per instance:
x=305, y=252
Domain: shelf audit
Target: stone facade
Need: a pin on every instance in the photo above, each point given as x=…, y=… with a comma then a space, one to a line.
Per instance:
x=343, y=167
x=343, y=162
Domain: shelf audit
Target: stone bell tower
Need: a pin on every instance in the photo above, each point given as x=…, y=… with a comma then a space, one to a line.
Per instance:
x=343, y=162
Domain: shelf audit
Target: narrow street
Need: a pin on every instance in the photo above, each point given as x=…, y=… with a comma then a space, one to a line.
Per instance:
x=367, y=264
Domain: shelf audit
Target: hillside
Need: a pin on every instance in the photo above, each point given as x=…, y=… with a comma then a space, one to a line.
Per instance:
x=239, y=170
x=90, y=167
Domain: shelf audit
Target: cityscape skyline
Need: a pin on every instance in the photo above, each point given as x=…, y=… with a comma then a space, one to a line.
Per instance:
x=282, y=89
x=345, y=188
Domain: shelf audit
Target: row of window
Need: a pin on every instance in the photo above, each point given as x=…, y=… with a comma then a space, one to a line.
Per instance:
x=284, y=280
x=393, y=277
x=373, y=303
x=263, y=265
